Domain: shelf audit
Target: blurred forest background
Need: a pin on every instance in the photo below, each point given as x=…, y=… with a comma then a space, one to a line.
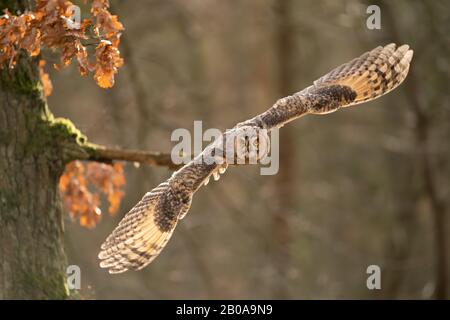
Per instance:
x=368, y=185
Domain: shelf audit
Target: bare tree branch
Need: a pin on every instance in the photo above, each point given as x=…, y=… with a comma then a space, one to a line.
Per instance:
x=104, y=154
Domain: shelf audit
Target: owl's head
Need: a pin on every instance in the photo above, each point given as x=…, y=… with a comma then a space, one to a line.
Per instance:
x=247, y=145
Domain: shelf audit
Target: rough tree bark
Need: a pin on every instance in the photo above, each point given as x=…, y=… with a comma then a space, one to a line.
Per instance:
x=32, y=258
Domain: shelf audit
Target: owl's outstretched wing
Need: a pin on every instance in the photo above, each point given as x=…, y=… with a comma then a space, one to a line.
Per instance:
x=146, y=228
x=369, y=76
x=365, y=78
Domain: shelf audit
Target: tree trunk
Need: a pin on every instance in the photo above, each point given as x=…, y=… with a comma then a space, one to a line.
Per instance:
x=285, y=186
x=32, y=258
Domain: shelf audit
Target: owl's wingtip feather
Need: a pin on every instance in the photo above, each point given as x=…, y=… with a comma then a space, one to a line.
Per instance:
x=117, y=271
x=409, y=55
x=403, y=47
x=102, y=255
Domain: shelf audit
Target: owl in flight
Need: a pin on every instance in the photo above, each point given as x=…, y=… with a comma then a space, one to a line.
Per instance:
x=146, y=228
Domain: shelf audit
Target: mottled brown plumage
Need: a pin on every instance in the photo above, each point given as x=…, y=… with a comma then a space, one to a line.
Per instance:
x=146, y=228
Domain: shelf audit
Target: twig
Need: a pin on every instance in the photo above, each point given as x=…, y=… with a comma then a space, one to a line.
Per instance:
x=108, y=155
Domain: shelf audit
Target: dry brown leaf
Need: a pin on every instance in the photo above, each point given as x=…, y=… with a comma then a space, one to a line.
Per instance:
x=45, y=79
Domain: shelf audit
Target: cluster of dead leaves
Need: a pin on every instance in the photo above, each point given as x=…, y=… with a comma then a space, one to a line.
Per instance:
x=82, y=186
x=49, y=26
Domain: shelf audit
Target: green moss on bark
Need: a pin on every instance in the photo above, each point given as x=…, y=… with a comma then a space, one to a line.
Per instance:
x=54, y=287
x=65, y=129
x=58, y=137
x=23, y=78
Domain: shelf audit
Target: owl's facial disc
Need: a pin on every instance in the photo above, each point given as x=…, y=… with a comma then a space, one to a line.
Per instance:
x=250, y=145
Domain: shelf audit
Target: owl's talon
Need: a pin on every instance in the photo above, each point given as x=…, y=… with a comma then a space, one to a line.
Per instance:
x=216, y=175
x=223, y=169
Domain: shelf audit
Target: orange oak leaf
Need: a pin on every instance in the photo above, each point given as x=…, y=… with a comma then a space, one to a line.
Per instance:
x=45, y=79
